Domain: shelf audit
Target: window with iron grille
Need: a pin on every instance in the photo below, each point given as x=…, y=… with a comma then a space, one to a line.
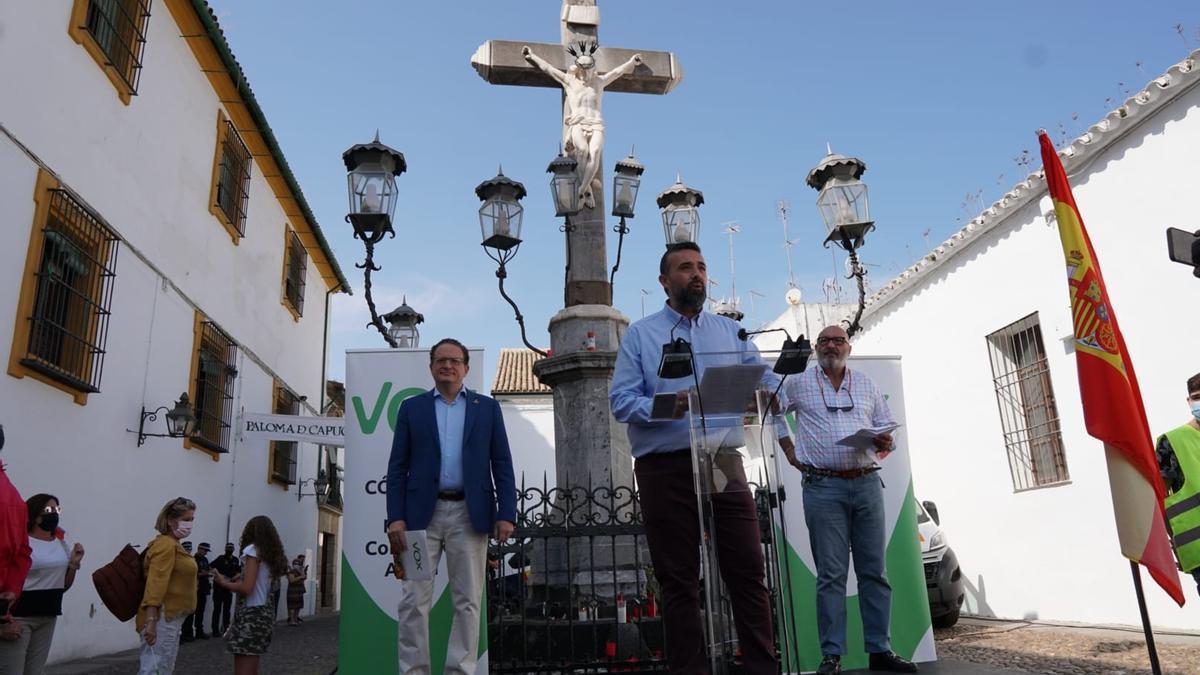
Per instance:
x=284, y=453
x=68, y=322
x=1028, y=414
x=216, y=371
x=296, y=264
x=232, y=182
x=119, y=29
x=113, y=32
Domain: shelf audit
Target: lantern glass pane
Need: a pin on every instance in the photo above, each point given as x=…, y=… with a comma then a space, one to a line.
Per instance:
x=564, y=191
x=498, y=216
x=844, y=204
x=372, y=191
x=680, y=223
x=625, y=190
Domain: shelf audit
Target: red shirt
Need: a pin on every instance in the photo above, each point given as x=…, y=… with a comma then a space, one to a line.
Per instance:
x=14, y=537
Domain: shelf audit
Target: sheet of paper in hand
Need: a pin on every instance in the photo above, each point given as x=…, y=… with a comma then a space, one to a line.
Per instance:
x=416, y=560
x=864, y=439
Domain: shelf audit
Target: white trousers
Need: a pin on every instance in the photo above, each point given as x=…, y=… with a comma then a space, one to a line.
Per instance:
x=27, y=655
x=160, y=658
x=466, y=559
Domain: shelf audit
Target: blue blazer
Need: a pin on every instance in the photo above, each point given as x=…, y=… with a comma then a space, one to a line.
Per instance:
x=416, y=463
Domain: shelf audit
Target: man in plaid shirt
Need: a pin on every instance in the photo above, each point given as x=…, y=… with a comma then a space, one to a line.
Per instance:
x=843, y=498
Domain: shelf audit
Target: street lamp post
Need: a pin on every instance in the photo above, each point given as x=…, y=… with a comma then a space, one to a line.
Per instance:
x=403, y=321
x=371, y=184
x=680, y=212
x=500, y=218
x=627, y=179
x=845, y=210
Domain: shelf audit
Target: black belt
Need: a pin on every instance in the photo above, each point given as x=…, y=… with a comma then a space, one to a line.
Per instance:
x=849, y=473
x=452, y=495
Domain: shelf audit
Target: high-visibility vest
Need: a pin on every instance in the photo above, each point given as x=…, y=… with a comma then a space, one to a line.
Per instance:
x=1183, y=507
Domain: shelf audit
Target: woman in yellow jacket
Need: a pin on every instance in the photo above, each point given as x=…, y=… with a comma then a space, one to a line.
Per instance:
x=170, y=594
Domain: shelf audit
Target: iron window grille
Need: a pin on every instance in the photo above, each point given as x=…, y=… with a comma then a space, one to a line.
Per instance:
x=215, y=375
x=1028, y=413
x=233, y=179
x=297, y=264
x=283, y=453
x=69, y=321
x=119, y=29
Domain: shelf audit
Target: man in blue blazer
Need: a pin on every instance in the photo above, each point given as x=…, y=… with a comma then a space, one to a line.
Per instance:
x=450, y=473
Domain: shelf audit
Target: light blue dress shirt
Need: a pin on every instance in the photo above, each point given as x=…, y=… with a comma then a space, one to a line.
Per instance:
x=635, y=381
x=451, y=418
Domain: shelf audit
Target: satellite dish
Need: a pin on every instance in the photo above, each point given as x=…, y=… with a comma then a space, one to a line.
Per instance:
x=793, y=296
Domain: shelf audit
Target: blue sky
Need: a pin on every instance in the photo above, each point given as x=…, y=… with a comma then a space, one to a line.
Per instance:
x=939, y=99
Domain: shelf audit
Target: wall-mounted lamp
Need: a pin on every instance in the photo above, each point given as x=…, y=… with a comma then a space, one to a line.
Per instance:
x=181, y=421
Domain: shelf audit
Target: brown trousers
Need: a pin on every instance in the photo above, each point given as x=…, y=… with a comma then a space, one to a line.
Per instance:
x=668, y=499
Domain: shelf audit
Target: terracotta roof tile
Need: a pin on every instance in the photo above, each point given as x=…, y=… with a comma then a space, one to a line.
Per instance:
x=514, y=373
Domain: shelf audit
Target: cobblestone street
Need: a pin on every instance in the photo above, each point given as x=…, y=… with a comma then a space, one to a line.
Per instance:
x=1061, y=650
x=307, y=649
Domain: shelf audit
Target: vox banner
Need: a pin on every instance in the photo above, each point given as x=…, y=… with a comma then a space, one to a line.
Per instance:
x=377, y=382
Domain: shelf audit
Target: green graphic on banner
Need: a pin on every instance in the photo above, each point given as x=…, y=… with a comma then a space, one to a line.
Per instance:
x=910, y=620
x=367, y=635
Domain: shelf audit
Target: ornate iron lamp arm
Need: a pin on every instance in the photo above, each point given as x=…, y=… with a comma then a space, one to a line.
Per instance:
x=621, y=231
x=501, y=274
x=367, y=267
x=857, y=272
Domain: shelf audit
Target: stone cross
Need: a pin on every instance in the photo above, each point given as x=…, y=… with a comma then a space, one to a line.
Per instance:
x=502, y=62
x=591, y=448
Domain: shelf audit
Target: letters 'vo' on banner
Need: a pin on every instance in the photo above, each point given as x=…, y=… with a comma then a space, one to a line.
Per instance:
x=377, y=382
x=911, y=628
x=319, y=430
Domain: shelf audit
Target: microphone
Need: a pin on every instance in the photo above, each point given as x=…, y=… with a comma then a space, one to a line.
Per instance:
x=793, y=357
x=676, y=359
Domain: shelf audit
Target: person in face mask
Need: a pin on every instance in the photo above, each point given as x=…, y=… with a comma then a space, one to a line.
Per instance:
x=52, y=573
x=170, y=588
x=1179, y=463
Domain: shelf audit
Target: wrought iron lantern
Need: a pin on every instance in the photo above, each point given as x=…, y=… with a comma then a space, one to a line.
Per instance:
x=180, y=420
x=627, y=178
x=371, y=184
x=403, y=321
x=501, y=212
x=320, y=488
x=564, y=185
x=680, y=212
x=842, y=201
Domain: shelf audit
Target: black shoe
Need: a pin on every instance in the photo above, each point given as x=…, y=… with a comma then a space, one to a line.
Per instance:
x=830, y=665
x=201, y=635
x=186, y=638
x=890, y=662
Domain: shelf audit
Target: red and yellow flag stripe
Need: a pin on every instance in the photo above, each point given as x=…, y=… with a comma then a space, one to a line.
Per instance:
x=1112, y=401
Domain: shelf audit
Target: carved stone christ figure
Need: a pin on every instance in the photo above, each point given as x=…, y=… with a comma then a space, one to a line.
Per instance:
x=583, y=125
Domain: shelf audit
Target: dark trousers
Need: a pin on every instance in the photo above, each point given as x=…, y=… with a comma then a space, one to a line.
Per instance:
x=222, y=601
x=196, y=619
x=670, y=515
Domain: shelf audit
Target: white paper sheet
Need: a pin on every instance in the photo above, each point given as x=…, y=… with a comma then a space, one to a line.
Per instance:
x=864, y=438
x=729, y=389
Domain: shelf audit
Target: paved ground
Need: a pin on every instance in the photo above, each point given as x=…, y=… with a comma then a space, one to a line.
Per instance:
x=1066, y=650
x=973, y=647
x=307, y=649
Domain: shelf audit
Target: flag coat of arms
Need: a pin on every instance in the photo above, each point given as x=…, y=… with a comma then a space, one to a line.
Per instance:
x=1112, y=402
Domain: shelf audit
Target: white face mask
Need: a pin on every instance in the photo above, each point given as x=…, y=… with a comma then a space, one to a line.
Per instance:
x=183, y=529
x=1196, y=410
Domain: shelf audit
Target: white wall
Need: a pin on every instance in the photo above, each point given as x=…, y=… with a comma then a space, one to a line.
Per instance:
x=1051, y=553
x=529, y=421
x=146, y=169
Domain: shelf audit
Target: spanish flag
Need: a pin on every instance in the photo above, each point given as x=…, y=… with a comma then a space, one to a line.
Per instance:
x=1112, y=401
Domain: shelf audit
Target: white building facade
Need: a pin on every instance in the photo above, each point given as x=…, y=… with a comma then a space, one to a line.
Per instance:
x=155, y=242
x=984, y=327
x=528, y=408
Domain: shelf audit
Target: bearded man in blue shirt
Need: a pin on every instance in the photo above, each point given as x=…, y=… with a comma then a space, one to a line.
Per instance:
x=664, y=472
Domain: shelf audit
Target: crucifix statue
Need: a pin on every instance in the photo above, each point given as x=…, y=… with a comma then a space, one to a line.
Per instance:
x=583, y=123
x=591, y=448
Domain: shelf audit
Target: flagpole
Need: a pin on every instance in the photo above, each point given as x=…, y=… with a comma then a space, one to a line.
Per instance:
x=1141, y=597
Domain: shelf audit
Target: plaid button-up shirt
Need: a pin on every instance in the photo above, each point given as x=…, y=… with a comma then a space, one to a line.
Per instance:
x=810, y=395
